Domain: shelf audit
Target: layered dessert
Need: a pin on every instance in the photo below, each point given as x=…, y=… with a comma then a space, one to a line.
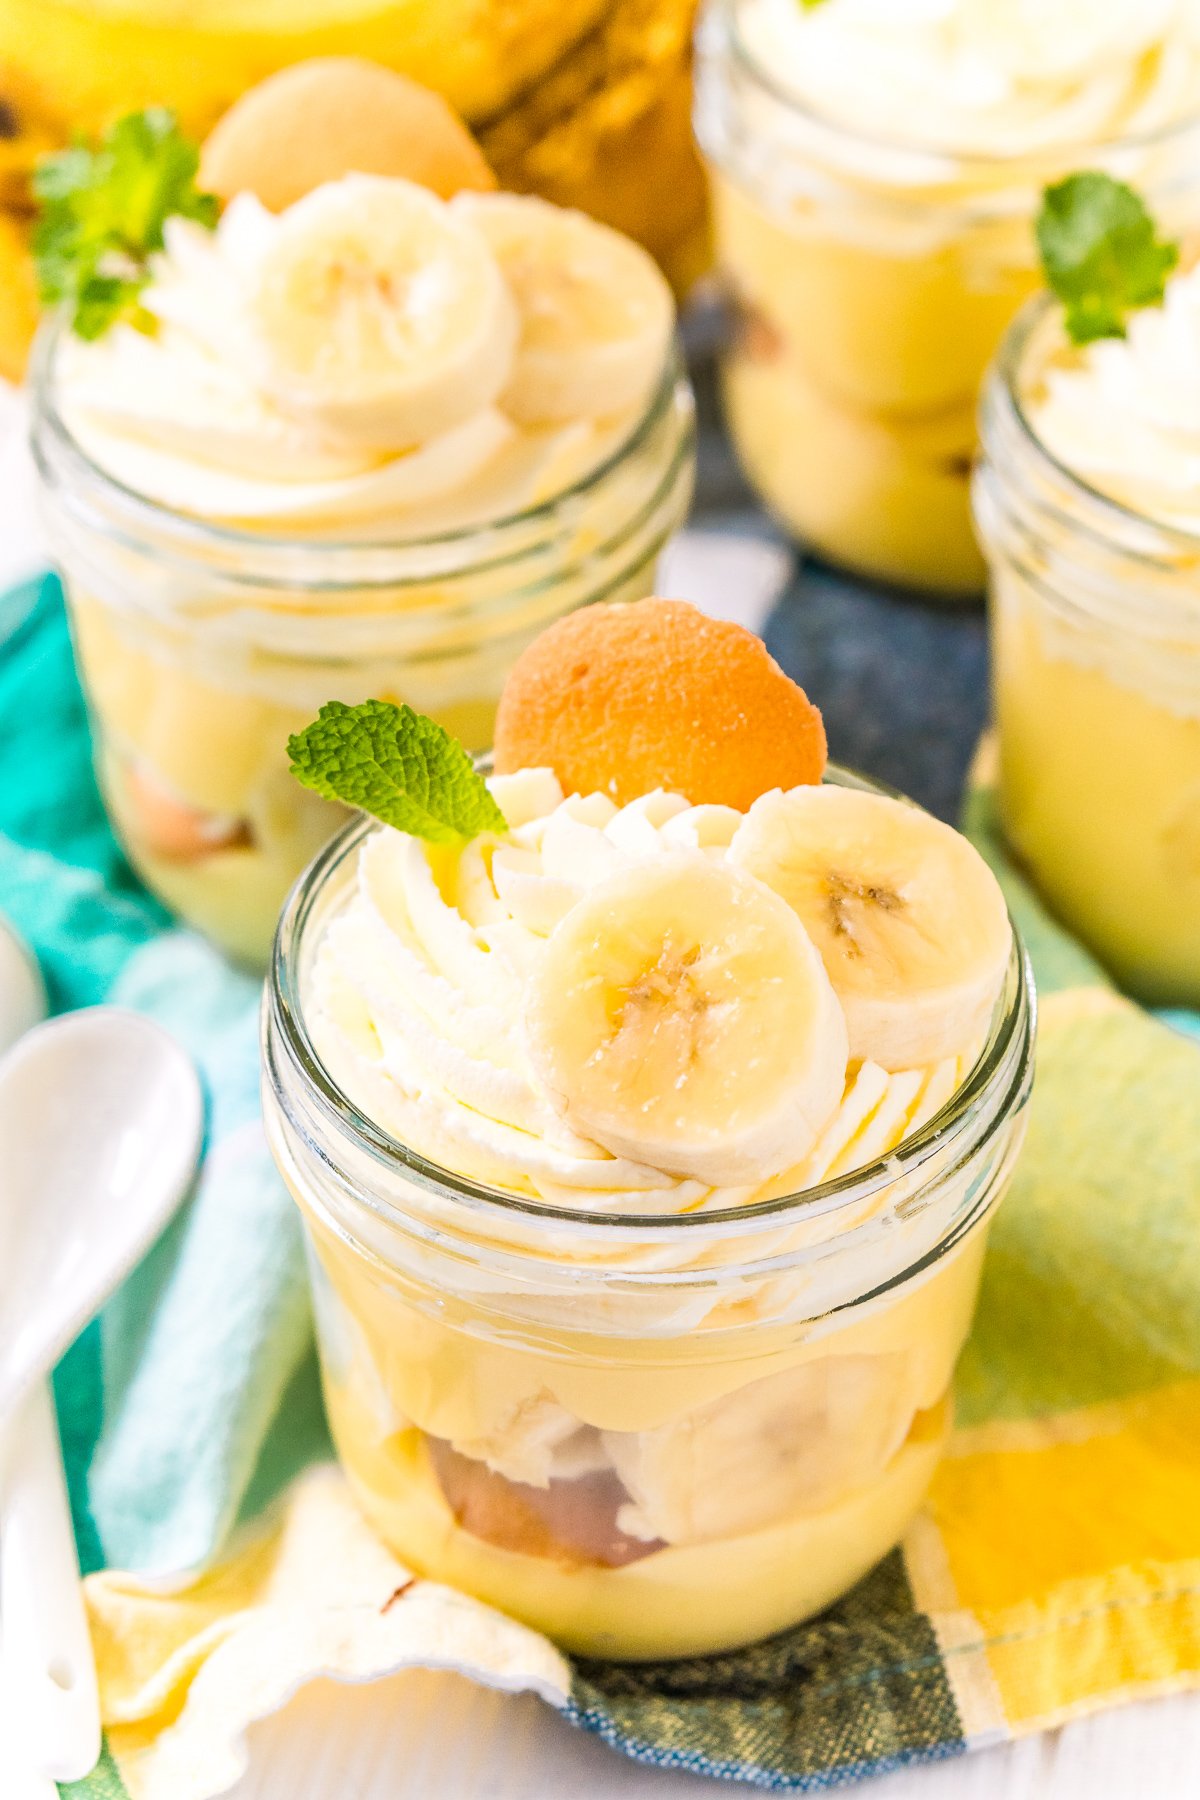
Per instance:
x=646, y=1107
x=1089, y=505
x=367, y=443
x=877, y=167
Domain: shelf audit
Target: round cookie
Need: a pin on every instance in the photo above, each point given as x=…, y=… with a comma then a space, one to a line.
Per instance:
x=623, y=699
x=335, y=116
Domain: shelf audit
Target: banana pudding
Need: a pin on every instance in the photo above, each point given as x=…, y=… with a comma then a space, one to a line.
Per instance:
x=1088, y=502
x=877, y=165
x=645, y=1142
x=368, y=444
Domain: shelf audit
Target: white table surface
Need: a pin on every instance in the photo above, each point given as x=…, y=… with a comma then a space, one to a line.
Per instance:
x=429, y=1736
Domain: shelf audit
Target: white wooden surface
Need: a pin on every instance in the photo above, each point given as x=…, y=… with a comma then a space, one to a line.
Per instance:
x=428, y=1736
x=424, y=1736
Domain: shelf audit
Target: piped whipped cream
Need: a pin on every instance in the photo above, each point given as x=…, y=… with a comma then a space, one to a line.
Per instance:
x=1123, y=414
x=418, y=987
x=184, y=417
x=982, y=77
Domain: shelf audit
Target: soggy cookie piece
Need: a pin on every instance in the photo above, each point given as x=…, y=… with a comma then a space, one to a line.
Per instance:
x=335, y=116
x=624, y=699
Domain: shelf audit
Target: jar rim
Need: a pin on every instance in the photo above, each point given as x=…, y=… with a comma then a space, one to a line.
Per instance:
x=1076, y=154
x=1006, y=381
x=998, y=1076
x=183, y=528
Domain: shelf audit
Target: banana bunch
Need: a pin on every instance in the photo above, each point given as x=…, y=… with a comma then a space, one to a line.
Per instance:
x=574, y=101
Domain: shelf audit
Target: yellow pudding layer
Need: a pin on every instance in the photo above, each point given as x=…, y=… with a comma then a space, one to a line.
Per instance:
x=191, y=739
x=852, y=381
x=794, y=1464
x=753, y=1585
x=192, y=755
x=1100, y=782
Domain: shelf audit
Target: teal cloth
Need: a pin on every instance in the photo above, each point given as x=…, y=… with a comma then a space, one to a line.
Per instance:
x=171, y=1402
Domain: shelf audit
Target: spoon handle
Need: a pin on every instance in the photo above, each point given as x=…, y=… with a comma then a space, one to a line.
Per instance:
x=49, y=1669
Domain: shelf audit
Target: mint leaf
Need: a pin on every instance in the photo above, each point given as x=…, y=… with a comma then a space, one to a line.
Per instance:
x=103, y=213
x=1100, y=253
x=397, y=765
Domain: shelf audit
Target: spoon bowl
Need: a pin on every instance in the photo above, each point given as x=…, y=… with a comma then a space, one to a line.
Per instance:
x=101, y=1119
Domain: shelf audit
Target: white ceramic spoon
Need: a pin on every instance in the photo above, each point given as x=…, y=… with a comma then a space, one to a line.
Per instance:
x=22, y=996
x=101, y=1120
x=22, y=1006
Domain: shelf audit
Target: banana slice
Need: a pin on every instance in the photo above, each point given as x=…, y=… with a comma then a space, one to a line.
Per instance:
x=908, y=918
x=794, y=1442
x=680, y=1016
x=596, y=313
x=379, y=314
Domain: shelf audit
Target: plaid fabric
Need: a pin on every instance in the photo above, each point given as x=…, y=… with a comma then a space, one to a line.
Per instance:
x=859, y=1691
x=1055, y=1568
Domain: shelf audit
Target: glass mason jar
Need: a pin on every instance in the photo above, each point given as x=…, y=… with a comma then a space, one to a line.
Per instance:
x=202, y=646
x=871, y=283
x=1095, y=618
x=645, y=1436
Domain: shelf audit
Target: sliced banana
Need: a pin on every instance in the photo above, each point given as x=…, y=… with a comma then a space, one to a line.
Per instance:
x=908, y=918
x=810, y=1434
x=680, y=1015
x=596, y=313
x=379, y=314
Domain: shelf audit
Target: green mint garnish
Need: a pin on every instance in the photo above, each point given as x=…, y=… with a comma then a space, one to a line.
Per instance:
x=102, y=217
x=397, y=765
x=1101, y=254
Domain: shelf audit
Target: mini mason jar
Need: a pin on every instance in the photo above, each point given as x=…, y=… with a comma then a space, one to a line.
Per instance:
x=871, y=282
x=645, y=1436
x=1095, y=618
x=202, y=647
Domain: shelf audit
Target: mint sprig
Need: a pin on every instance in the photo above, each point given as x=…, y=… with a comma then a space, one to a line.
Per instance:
x=398, y=766
x=102, y=217
x=1101, y=253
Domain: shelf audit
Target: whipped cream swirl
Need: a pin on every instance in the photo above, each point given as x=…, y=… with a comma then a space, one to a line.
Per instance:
x=1123, y=414
x=417, y=992
x=983, y=77
x=182, y=416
